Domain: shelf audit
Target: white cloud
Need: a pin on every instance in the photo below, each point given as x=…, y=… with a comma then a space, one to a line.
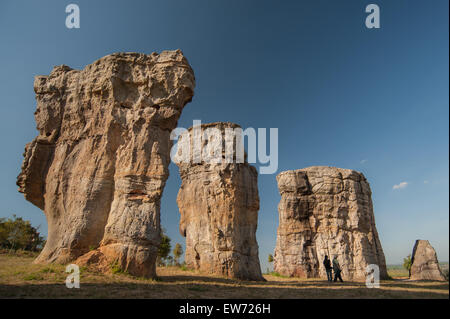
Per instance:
x=364, y=161
x=400, y=186
x=425, y=182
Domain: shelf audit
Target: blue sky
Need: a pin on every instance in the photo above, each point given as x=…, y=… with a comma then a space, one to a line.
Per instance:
x=376, y=100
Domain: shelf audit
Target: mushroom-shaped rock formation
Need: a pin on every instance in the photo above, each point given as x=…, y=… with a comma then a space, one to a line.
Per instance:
x=219, y=203
x=100, y=162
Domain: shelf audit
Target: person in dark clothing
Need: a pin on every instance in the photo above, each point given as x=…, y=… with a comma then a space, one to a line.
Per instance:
x=337, y=270
x=328, y=269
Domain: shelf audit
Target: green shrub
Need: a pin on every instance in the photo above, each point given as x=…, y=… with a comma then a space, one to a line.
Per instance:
x=16, y=234
x=115, y=268
x=177, y=252
x=163, y=249
x=407, y=264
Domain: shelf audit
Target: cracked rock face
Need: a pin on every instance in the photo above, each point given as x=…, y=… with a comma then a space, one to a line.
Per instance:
x=424, y=263
x=326, y=211
x=99, y=164
x=219, y=205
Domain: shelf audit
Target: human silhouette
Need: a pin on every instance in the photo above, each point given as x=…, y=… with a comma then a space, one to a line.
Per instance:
x=337, y=270
x=328, y=268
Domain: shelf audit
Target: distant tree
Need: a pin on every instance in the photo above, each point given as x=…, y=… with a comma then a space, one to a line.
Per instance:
x=407, y=264
x=4, y=233
x=163, y=249
x=16, y=233
x=170, y=260
x=270, y=260
x=177, y=252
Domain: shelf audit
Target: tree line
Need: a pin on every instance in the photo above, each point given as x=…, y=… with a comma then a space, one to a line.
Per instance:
x=18, y=234
x=164, y=258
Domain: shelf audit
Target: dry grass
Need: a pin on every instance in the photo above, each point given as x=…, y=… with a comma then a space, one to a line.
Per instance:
x=19, y=278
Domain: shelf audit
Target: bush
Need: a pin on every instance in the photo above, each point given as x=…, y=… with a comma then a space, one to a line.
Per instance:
x=407, y=264
x=163, y=249
x=16, y=233
x=115, y=268
x=177, y=252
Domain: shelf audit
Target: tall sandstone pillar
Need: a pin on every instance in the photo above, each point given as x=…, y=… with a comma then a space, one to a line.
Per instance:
x=326, y=211
x=100, y=162
x=219, y=205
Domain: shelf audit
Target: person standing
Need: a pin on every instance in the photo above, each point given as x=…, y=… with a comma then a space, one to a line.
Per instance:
x=328, y=268
x=337, y=270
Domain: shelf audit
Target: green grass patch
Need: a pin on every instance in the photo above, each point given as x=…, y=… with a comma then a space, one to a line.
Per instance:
x=184, y=268
x=48, y=270
x=397, y=271
x=276, y=274
x=117, y=269
x=33, y=277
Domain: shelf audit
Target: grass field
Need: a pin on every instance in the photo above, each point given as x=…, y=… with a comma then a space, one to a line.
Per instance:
x=19, y=278
x=399, y=272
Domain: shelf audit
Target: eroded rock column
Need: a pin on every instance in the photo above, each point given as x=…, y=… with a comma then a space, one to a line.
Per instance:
x=219, y=205
x=424, y=262
x=326, y=211
x=100, y=162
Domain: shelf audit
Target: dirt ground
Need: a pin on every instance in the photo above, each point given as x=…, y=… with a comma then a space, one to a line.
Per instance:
x=19, y=278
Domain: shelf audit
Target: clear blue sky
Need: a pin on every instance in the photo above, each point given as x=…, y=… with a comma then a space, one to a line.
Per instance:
x=341, y=95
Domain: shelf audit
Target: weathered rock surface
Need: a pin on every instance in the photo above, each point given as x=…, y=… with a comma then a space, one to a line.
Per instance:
x=326, y=211
x=99, y=164
x=424, y=262
x=219, y=205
